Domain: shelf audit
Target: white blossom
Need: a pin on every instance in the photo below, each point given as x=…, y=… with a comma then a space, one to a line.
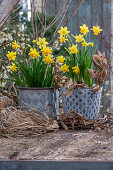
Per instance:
x=2, y=84
x=14, y=31
x=10, y=37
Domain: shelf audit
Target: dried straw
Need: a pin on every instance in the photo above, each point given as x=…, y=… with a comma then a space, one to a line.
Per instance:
x=15, y=122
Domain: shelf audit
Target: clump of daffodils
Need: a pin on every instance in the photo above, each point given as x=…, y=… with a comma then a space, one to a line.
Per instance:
x=41, y=51
x=33, y=67
x=79, y=53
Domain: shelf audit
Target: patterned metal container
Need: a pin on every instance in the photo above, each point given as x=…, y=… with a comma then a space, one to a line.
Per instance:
x=44, y=99
x=83, y=101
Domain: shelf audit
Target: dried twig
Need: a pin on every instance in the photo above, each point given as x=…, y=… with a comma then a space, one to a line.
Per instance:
x=57, y=16
x=42, y=18
x=67, y=20
x=75, y=120
x=35, y=21
x=80, y=2
x=32, y=13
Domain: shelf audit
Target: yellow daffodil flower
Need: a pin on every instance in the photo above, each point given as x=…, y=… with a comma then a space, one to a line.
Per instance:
x=46, y=51
x=64, y=68
x=62, y=39
x=79, y=38
x=73, y=49
x=85, y=44
x=63, y=31
x=83, y=29
x=76, y=70
x=42, y=42
x=96, y=30
x=13, y=67
x=92, y=44
x=48, y=59
x=34, y=41
x=61, y=59
x=15, y=45
x=11, y=55
x=33, y=53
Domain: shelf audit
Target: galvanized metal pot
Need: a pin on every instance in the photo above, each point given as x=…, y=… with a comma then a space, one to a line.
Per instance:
x=44, y=99
x=83, y=101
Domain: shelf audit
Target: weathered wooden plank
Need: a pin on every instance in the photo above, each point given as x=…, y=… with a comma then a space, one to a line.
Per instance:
x=58, y=6
x=106, y=22
x=96, y=18
x=51, y=7
x=72, y=24
x=106, y=42
x=84, y=16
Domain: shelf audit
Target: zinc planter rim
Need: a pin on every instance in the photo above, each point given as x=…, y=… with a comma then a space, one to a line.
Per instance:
x=83, y=88
x=35, y=88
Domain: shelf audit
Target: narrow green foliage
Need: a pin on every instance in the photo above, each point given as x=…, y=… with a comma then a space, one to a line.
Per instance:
x=79, y=55
x=35, y=74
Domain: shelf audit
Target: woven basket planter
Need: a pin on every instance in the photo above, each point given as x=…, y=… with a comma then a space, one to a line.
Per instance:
x=83, y=101
x=44, y=99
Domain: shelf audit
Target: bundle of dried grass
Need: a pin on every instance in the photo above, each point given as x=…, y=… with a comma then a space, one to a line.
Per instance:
x=15, y=122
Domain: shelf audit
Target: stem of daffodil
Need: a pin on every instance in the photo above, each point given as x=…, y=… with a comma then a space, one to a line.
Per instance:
x=94, y=46
x=69, y=38
x=93, y=51
x=77, y=53
x=74, y=78
x=83, y=51
x=35, y=62
x=85, y=37
x=77, y=78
